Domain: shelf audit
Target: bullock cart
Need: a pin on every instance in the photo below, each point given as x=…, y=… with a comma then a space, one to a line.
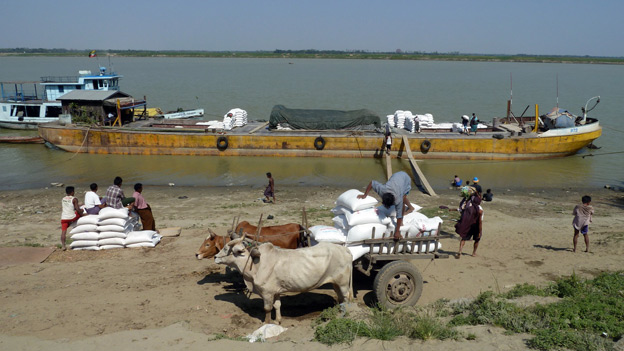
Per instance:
x=397, y=281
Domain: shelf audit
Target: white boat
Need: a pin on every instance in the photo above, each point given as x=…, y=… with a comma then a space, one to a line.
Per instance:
x=25, y=105
x=184, y=114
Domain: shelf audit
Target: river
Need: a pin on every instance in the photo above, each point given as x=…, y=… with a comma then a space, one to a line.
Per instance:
x=447, y=90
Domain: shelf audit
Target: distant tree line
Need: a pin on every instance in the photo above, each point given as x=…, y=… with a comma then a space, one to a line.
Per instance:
x=398, y=54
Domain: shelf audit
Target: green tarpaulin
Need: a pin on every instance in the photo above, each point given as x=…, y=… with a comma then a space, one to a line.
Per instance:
x=323, y=119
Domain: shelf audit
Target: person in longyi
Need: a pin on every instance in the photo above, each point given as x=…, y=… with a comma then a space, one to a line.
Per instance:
x=143, y=208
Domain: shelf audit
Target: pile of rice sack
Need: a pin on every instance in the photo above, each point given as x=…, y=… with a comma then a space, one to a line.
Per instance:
x=357, y=220
x=110, y=229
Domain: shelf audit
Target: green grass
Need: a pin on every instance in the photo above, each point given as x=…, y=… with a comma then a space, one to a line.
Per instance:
x=587, y=309
x=589, y=315
x=33, y=245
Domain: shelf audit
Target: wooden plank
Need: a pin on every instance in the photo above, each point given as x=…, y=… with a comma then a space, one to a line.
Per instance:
x=418, y=175
x=388, y=166
x=259, y=127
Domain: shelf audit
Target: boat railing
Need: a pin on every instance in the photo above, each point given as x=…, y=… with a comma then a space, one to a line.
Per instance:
x=18, y=92
x=59, y=79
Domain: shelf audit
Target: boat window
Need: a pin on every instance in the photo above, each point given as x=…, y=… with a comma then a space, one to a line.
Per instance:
x=53, y=111
x=33, y=111
x=61, y=89
x=78, y=87
x=3, y=108
x=96, y=84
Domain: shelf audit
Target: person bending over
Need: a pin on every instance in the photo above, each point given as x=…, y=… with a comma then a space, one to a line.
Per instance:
x=393, y=194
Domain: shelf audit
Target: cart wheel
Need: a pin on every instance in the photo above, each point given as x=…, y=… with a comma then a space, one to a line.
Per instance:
x=398, y=283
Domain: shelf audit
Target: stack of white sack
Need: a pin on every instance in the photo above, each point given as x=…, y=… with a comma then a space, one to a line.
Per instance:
x=142, y=238
x=390, y=119
x=410, y=124
x=399, y=119
x=357, y=220
x=106, y=230
x=113, y=227
x=235, y=118
x=425, y=121
x=84, y=235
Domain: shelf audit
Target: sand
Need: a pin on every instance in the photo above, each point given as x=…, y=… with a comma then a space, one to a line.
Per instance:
x=164, y=298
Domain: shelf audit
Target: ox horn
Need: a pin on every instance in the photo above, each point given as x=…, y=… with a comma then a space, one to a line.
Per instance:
x=255, y=253
x=212, y=234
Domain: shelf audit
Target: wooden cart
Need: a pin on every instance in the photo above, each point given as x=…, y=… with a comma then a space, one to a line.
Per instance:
x=397, y=282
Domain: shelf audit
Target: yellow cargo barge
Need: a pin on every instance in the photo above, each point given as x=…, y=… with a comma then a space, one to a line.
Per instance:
x=500, y=141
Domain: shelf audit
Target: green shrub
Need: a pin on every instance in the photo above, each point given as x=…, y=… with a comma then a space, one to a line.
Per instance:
x=340, y=330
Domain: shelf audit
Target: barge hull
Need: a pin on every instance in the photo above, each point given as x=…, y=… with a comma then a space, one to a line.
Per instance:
x=99, y=140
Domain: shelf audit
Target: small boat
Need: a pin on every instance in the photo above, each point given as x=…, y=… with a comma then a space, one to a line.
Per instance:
x=21, y=140
x=328, y=133
x=184, y=114
x=25, y=105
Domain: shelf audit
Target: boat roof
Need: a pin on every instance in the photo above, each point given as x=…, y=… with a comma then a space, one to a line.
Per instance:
x=92, y=95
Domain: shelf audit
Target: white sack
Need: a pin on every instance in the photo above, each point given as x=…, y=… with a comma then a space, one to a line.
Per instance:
x=141, y=236
x=113, y=221
x=87, y=248
x=108, y=235
x=114, y=228
x=365, y=231
x=83, y=243
x=325, y=233
x=340, y=222
x=349, y=200
x=109, y=212
x=88, y=219
x=111, y=241
x=84, y=228
x=108, y=247
x=85, y=236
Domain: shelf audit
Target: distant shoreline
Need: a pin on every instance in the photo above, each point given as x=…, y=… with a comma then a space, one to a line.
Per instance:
x=307, y=54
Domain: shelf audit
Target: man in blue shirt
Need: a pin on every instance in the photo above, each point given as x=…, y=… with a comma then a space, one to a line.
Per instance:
x=394, y=193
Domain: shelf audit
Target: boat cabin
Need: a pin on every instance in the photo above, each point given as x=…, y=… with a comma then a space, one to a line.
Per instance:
x=56, y=87
x=101, y=107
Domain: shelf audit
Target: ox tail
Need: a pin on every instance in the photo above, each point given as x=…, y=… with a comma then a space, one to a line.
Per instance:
x=350, y=298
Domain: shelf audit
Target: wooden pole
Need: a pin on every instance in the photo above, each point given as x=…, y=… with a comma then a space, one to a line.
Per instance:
x=536, y=119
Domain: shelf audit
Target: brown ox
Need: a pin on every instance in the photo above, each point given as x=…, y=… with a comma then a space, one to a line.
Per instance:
x=287, y=236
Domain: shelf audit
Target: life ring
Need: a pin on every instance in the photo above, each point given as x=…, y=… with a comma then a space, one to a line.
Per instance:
x=319, y=143
x=425, y=146
x=222, y=143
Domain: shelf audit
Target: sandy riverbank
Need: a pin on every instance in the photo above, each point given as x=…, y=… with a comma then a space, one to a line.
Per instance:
x=164, y=298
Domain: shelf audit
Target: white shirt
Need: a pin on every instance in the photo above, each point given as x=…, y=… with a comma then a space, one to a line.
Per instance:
x=91, y=199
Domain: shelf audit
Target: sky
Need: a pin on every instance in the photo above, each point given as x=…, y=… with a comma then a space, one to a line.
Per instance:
x=544, y=27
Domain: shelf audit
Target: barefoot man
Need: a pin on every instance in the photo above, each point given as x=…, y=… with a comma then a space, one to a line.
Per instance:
x=394, y=193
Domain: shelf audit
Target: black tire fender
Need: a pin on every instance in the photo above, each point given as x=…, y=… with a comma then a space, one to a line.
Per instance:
x=222, y=143
x=425, y=146
x=398, y=283
x=319, y=143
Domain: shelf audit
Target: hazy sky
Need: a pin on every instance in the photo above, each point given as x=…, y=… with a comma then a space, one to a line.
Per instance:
x=549, y=27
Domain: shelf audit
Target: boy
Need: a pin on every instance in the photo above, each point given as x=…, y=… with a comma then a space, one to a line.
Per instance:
x=93, y=202
x=582, y=217
x=269, y=192
x=70, y=213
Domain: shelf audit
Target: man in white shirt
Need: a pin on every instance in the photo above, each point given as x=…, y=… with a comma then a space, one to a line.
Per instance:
x=93, y=203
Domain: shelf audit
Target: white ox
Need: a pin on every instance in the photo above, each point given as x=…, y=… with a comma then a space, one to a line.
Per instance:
x=270, y=271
